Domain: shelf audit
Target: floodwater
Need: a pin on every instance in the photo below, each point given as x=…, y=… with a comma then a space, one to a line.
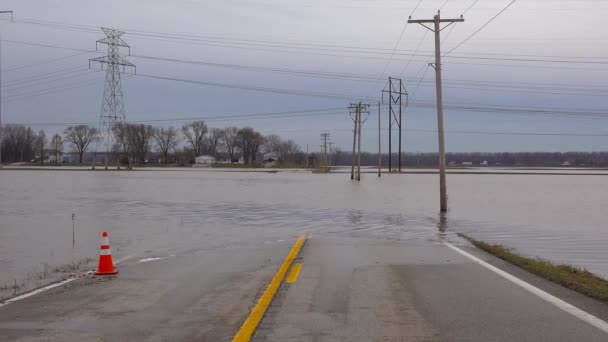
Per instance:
x=156, y=214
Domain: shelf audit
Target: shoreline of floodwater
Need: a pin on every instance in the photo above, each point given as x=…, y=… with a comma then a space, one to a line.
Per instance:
x=572, y=277
x=340, y=170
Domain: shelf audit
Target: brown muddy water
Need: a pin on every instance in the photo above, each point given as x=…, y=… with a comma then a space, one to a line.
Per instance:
x=151, y=214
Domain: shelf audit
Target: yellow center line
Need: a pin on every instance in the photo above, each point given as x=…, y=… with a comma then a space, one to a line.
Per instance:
x=255, y=316
x=293, y=275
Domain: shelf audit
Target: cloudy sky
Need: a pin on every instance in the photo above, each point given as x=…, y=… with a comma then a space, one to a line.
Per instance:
x=533, y=79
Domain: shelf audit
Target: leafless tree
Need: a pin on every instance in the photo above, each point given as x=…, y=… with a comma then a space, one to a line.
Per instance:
x=81, y=136
x=287, y=150
x=40, y=143
x=139, y=136
x=56, y=146
x=230, y=140
x=17, y=143
x=214, y=141
x=194, y=133
x=122, y=138
x=166, y=140
x=271, y=143
x=250, y=141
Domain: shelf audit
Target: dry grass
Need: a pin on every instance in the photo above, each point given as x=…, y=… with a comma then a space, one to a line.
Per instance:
x=572, y=277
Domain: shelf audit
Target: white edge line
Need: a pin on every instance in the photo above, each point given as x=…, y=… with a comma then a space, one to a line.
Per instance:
x=37, y=291
x=51, y=286
x=569, y=308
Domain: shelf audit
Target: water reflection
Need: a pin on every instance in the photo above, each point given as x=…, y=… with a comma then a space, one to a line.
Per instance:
x=442, y=225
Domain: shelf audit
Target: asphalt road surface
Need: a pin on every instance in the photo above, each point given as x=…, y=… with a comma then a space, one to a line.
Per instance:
x=348, y=289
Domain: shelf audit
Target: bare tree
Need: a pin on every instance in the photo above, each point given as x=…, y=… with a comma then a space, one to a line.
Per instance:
x=80, y=136
x=231, y=140
x=56, y=146
x=195, y=134
x=39, y=144
x=166, y=140
x=214, y=141
x=250, y=141
x=17, y=143
x=287, y=150
x=122, y=139
x=139, y=136
x=271, y=143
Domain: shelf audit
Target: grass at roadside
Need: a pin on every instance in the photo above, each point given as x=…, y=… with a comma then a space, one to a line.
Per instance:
x=572, y=277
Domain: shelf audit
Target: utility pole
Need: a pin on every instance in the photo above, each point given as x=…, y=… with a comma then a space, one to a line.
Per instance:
x=357, y=109
x=379, y=142
x=395, y=92
x=1, y=130
x=112, y=107
x=355, y=120
x=307, y=157
x=440, y=130
x=325, y=141
x=359, y=147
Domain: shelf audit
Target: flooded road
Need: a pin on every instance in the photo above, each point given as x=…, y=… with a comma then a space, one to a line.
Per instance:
x=157, y=214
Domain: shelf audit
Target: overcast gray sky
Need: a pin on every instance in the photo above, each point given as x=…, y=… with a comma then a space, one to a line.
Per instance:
x=540, y=67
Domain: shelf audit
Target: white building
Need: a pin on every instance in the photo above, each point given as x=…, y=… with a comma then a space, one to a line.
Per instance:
x=204, y=159
x=467, y=163
x=271, y=157
x=484, y=163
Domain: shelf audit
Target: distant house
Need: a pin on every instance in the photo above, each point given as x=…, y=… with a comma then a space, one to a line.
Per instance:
x=452, y=163
x=52, y=158
x=271, y=157
x=204, y=159
x=484, y=163
x=467, y=163
x=566, y=163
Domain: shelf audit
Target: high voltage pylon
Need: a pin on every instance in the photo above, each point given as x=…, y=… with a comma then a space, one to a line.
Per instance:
x=396, y=90
x=112, y=105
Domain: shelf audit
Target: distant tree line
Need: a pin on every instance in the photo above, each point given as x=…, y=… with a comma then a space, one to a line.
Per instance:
x=137, y=143
x=531, y=159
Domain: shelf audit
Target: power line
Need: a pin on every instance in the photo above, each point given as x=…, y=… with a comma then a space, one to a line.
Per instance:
x=49, y=79
x=153, y=34
x=481, y=28
x=254, y=88
x=45, y=61
x=470, y=6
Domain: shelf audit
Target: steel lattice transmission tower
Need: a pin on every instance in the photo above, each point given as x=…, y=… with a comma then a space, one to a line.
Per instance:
x=112, y=105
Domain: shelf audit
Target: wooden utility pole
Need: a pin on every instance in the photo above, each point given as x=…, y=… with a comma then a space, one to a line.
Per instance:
x=440, y=130
x=1, y=131
x=359, y=143
x=356, y=109
x=352, y=169
x=379, y=146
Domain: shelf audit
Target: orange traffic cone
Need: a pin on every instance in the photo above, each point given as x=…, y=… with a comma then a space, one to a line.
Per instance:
x=106, y=265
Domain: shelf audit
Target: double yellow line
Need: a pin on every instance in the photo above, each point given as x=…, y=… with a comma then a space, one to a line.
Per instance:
x=255, y=316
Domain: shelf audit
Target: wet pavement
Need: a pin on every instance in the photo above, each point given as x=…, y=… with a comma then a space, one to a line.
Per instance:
x=374, y=290
x=348, y=289
x=196, y=296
